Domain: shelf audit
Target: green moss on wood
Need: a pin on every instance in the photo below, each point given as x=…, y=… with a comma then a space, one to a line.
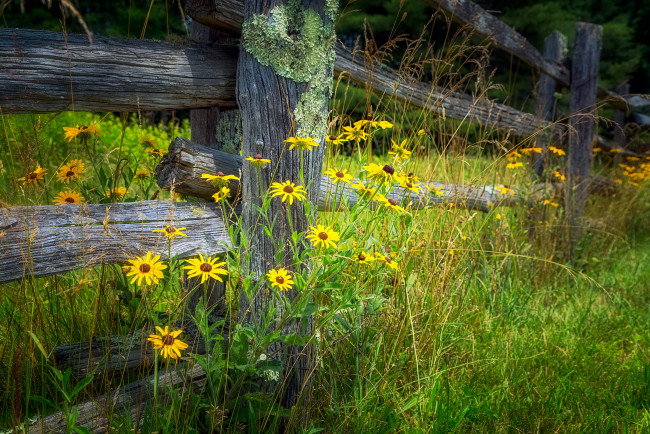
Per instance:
x=228, y=132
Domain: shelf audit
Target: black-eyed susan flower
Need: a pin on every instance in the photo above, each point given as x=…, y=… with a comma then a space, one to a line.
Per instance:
x=258, y=161
x=288, y=190
x=364, y=258
x=142, y=174
x=504, y=190
x=557, y=151
x=513, y=155
x=167, y=342
x=528, y=151
x=411, y=186
x=302, y=143
x=392, y=204
x=68, y=197
x=437, y=191
x=382, y=175
x=386, y=260
x=171, y=231
x=221, y=195
x=148, y=142
x=341, y=175
x=559, y=175
x=424, y=132
x=370, y=121
x=116, y=193
x=364, y=191
x=553, y=204
x=280, y=279
x=205, y=268
x=33, y=177
x=156, y=152
x=399, y=151
x=514, y=165
x=83, y=132
x=220, y=179
x=352, y=133
x=411, y=177
x=596, y=150
x=71, y=171
x=334, y=140
x=323, y=236
x=145, y=268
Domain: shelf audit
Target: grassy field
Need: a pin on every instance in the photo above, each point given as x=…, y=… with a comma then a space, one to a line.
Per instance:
x=486, y=325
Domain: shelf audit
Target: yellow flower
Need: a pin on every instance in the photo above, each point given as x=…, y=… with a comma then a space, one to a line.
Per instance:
x=83, y=132
x=33, y=177
x=220, y=179
x=339, y=175
x=559, y=176
x=116, y=193
x=221, y=195
x=514, y=165
x=387, y=261
x=527, y=151
x=513, y=155
x=596, y=150
x=205, y=268
x=258, y=161
x=498, y=216
x=171, y=231
x=615, y=150
x=352, y=133
x=156, y=152
x=167, y=342
x=399, y=151
x=436, y=190
x=70, y=171
x=363, y=191
x=303, y=143
x=504, y=190
x=323, y=236
x=142, y=174
x=559, y=152
x=618, y=181
x=384, y=175
x=411, y=177
x=288, y=190
x=409, y=185
x=147, y=268
x=424, y=132
x=68, y=197
x=335, y=140
x=280, y=279
x=392, y=204
x=370, y=120
x=548, y=202
x=364, y=258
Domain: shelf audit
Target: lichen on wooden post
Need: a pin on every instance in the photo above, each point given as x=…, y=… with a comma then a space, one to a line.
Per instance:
x=284, y=80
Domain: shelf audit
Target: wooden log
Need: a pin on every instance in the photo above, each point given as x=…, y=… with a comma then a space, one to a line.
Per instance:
x=584, y=84
x=49, y=72
x=130, y=401
x=555, y=49
x=38, y=241
x=186, y=161
x=503, y=36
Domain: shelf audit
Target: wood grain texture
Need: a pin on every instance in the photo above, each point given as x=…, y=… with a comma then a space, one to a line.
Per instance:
x=186, y=161
x=584, y=84
x=38, y=241
x=44, y=72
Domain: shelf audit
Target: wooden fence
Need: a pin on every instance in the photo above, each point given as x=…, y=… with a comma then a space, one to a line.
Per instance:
x=49, y=72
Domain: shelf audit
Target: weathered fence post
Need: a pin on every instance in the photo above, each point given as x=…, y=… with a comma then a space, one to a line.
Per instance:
x=284, y=77
x=584, y=87
x=555, y=50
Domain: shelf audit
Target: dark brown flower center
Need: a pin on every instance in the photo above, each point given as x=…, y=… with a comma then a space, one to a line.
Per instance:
x=362, y=257
x=83, y=127
x=69, y=174
x=145, y=268
x=410, y=175
x=219, y=173
x=389, y=169
x=258, y=157
x=370, y=118
x=170, y=229
x=33, y=175
x=69, y=199
x=392, y=202
x=205, y=267
x=288, y=189
x=409, y=185
x=323, y=235
x=332, y=138
x=168, y=340
x=387, y=259
x=279, y=280
x=340, y=174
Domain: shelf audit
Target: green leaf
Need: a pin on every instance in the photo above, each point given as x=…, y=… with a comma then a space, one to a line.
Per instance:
x=38, y=344
x=292, y=339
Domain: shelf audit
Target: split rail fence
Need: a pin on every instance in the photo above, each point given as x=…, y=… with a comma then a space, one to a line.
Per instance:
x=40, y=69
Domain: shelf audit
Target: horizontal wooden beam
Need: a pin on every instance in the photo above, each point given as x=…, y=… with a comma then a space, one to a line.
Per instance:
x=48, y=72
x=44, y=240
x=503, y=36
